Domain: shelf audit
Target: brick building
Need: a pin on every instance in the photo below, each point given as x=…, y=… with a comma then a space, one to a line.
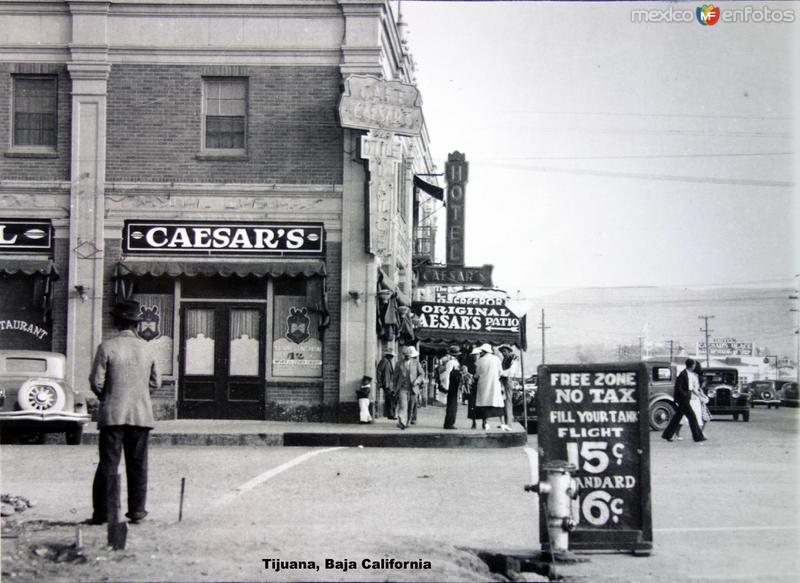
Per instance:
x=191, y=155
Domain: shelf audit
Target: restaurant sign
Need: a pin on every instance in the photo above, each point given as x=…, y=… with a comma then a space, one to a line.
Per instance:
x=726, y=347
x=228, y=238
x=26, y=236
x=456, y=274
x=369, y=103
x=595, y=417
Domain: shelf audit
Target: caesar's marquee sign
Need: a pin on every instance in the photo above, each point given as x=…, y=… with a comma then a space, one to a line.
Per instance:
x=229, y=238
x=369, y=103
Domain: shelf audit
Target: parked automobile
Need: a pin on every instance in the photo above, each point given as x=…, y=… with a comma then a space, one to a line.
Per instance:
x=789, y=394
x=661, y=382
x=35, y=399
x=765, y=393
x=721, y=386
x=531, y=385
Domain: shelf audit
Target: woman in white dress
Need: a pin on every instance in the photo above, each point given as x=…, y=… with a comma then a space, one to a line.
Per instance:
x=697, y=398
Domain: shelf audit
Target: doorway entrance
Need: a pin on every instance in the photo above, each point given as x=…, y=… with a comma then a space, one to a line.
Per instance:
x=222, y=362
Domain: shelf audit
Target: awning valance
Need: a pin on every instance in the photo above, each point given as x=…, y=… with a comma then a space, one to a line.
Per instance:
x=12, y=266
x=436, y=192
x=187, y=268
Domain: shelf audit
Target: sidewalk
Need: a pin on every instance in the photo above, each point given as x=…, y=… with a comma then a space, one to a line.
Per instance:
x=428, y=432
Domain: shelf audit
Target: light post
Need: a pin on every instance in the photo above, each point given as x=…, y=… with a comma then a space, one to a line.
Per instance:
x=766, y=361
x=519, y=308
x=796, y=296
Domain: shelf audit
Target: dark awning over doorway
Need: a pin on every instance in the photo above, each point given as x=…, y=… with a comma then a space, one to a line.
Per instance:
x=186, y=268
x=12, y=266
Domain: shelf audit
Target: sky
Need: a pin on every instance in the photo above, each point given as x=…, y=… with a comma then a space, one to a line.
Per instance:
x=610, y=153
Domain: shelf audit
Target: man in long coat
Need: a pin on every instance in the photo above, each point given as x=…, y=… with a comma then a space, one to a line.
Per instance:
x=123, y=375
x=385, y=374
x=489, y=397
x=408, y=379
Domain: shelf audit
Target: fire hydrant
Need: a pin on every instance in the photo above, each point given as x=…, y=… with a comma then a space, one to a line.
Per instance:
x=560, y=489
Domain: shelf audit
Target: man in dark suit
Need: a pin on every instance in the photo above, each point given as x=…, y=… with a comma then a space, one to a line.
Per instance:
x=682, y=395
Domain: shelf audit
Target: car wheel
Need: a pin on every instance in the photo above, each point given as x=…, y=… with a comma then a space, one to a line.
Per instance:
x=735, y=416
x=75, y=436
x=746, y=416
x=660, y=415
x=41, y=396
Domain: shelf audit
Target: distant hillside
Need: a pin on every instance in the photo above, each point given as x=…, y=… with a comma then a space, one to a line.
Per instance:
x=591, y=323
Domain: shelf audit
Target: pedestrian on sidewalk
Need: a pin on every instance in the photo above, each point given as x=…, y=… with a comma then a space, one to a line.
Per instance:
x=123, y=375
x=685, y=384
x=453, y=386
x=472, y=367
x=363, y=393
x=408, y=378
x=385, y=372
x=489, y=397
x=510, y=370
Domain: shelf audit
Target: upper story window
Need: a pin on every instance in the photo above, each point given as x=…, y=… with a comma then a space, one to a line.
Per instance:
x=225, y=115
x=35, y=101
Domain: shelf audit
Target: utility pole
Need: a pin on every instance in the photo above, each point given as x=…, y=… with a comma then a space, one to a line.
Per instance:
x=671, y=342
x=542, y=327
x=706, y=330
x=796, y=296
x=619, y=352
x=641, y=353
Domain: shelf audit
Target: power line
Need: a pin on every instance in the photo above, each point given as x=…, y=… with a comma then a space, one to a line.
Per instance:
x=661, y=115
x=637, y=156
x=639, y=176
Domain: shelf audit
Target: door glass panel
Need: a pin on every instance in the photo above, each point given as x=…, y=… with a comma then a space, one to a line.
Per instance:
x=199, y=342
x=245, y=339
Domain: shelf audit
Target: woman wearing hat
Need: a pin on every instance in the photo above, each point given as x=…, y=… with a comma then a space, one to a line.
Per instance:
x=489, y=397
x=453, y=371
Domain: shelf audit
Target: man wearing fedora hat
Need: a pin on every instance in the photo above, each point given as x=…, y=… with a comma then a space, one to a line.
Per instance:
x=452, y=385
x=408, y=378
x=123, y=375
x=385, y=372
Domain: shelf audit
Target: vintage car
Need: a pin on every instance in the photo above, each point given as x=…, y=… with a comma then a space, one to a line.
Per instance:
x=661, y=382
x=789, y=394
x=721, y=386
x=36, y=400
x=531, y=384
x=765, y=393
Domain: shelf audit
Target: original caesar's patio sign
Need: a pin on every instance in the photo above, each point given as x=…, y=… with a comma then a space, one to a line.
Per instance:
x=595, y=417
x=467, y=319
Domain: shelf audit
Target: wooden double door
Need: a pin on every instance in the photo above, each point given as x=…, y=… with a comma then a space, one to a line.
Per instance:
x=222, y=361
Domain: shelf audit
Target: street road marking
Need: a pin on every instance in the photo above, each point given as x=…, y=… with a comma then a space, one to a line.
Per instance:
x=725, y=528
x=269, y=474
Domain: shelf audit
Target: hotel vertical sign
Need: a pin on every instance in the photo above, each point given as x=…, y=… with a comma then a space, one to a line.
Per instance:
x=456, y=172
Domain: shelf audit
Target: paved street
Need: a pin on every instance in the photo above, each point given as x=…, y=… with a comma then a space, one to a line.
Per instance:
x=727, y=510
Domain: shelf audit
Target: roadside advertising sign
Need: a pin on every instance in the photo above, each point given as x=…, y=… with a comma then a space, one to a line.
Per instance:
x=595, y=417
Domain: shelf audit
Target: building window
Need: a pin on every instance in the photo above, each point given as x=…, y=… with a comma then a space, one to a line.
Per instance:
x=225, y=115
x=35, y=111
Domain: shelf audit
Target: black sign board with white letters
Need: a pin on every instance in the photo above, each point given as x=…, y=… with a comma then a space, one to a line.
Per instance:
x=26, y=236
x=595, y=417
x=229, y=238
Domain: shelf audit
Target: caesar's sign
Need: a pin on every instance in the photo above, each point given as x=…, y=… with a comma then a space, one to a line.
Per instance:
x=456, y=274
x=229, y=238
x=487, y=316
x=595, y=417
x=369, y=103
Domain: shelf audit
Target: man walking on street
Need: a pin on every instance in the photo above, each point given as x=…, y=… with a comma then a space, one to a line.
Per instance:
x=385, y=372
x=408, y=378
x=123, y=375
x=682, y=396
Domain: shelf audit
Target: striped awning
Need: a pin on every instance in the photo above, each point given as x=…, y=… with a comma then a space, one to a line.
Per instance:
x=28, y=266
